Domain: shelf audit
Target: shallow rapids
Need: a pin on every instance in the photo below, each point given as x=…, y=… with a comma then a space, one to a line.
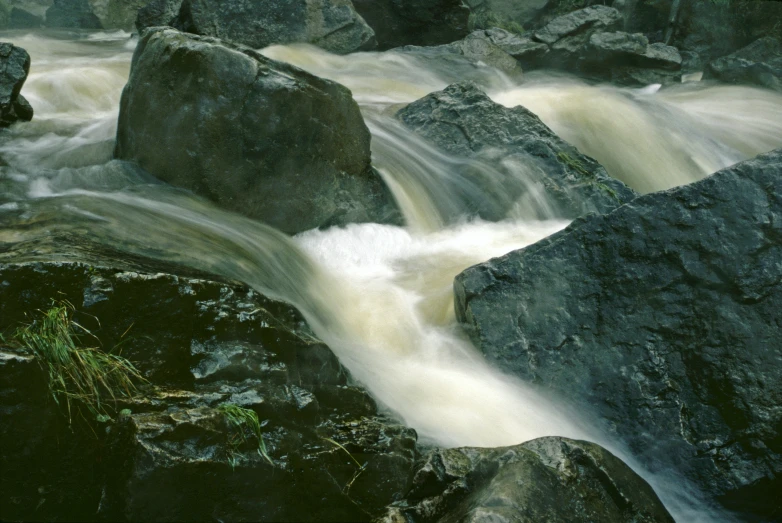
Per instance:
x=380, y=296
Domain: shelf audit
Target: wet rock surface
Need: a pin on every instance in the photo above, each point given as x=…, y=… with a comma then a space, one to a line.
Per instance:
x=475, y=49
x=256, y=136
x=158, y=13
x=547, y=479
x=662, y=319
x=398, y=23
x=169, y=453
x=463, y=121
x=75, y=14
x=333, y=25
x=14, y=67
x=527, y=52
x=760, y=63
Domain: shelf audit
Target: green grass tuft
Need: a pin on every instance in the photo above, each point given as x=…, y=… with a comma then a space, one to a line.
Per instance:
x=82, y=378
x=246, y=426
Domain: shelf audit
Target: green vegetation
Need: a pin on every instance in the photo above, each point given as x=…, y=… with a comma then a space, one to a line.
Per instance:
x=577, y=166
x=82, y=378
x=246, y=426
x=359, y=467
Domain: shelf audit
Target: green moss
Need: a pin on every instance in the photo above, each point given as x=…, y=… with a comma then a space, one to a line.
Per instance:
x=84, y=379
x=245, y=427
x=589, y=176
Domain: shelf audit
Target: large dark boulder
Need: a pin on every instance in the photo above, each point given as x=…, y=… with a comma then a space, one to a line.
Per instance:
x=76, y=14
x=117, y=14
x=256, y=136
x=21, y=19
x=170, y=453
x=333, y=25
x=158, y=13
x=662, y=320
x=530, y=163
x=414, y=22
x=548, y=479
x=760, y=63
x=14, y=67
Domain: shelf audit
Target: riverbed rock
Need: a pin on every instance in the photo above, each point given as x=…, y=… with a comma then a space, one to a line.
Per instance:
x=158, y=13
x=14, y=67
x=475, y=49
x=117, y=14
x=333, y=25
x=548, y=479
x=527, y=52
x=530, y=162
x=170, y=453
x=397, y=23
x=256, y=136
x=760, y=63
x=75, y=14
x=21, y=19
x=661, y=319
x=630, y=59
x=515, y=14
x=568, y=33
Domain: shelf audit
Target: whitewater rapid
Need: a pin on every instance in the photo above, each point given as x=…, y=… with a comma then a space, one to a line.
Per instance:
x=380, y=296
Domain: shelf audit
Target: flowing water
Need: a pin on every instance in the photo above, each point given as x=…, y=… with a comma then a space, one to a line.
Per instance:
x=380, y=296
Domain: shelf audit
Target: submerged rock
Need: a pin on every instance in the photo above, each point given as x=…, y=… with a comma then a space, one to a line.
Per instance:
x=662, y=318
x=530, y=163
x=14, y=67
x=547, y=479
x=171, y=453
x=398, y=23
x=75, y=14
x=760, y=63
x=256, y=136
x=333, y=25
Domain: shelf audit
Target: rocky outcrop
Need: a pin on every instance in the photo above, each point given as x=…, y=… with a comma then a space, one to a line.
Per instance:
x=570, y=32
x=170, y=453
x=547, y=479
x=760, y=63
x=585, y=42
x=21, y=19
x=398, y=23
x=158, y=13
x=630, y=59
x=464, y=122
x=14, y=67
x=661, y=319
x=527, y=52
x=256, y=136
x=333, y=25
x=517, y=14
x=75, y=14
x=475, y=49
x=117, y=14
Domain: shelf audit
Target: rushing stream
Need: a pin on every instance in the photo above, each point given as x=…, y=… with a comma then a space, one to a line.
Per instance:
x=380, y=296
